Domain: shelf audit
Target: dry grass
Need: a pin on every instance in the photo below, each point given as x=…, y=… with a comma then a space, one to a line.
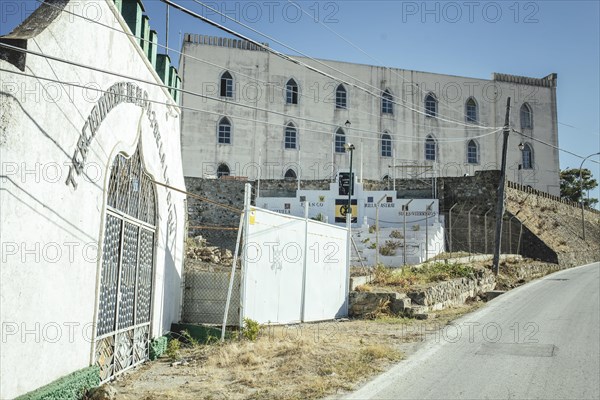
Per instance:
x=307, y=361
x=408, y=277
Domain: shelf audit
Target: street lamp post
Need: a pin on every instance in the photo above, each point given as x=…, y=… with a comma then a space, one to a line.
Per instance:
x=350, y=148
x=581, y=194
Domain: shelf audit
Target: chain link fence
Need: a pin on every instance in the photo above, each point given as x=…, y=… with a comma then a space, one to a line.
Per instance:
x=214, y=210
x=472, y=230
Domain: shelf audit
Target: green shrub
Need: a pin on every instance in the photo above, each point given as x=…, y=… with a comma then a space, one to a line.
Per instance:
x=251, y=329
x=433, y=272
x=396, y=234
x=387, y=251
x=319, y=217
x=185, y=335
x=173, y=349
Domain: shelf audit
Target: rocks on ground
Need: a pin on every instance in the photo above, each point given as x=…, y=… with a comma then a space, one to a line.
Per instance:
x=201, y=251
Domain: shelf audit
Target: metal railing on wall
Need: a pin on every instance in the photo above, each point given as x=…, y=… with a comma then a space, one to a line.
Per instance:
x=539, y=193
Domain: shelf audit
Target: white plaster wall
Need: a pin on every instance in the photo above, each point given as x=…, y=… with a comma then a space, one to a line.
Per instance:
x=324, y=202
x=254, y=141
x=51, y=234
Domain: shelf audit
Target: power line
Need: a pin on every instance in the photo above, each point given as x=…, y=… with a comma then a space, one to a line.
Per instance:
x=215, y=99
x=392, y=70
x=550, y=145
x=411, y=139
x=293, y=60
x=414, y=123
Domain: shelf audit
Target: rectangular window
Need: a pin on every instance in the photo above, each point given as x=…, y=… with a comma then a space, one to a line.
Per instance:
x=386, y=107
x=472, y=155
x=292, y=95
x=471, y=113
x=339, y=143
x=430, y=150
x=340, y=99
x=290, y=138
x=386, y=148
x=225, y=134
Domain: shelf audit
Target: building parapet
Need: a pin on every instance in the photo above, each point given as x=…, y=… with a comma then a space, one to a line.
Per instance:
x=547, y=81
x=223, y=42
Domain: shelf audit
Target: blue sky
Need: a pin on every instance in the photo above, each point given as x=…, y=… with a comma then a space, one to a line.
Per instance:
x=465, y=38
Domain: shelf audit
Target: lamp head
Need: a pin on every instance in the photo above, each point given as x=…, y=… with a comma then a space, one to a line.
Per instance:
x=347, y=124
x=348, y=146
x=521, y=146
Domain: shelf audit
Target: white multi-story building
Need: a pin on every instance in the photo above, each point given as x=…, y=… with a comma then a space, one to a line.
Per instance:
x=249, y=112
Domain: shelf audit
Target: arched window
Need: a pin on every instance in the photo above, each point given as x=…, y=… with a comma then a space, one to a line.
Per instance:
x=223, y=170
x=290, y=175
x=430, y=148
x=341, y=97
x=340, y=140
x=471, y=110
x=386, y=145
x=290, y=136
x=224, y=132
x=226, y=84
x=127, y=269
x=472, y=152
x=527, y=157
x=526, y=117
x=430, y=105
x=291, y=92
x=387, y=102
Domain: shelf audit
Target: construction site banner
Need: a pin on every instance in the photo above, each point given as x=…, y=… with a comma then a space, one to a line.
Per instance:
x=294, y=269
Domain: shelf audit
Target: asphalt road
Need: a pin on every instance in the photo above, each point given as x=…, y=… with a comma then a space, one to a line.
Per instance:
x=539, y=341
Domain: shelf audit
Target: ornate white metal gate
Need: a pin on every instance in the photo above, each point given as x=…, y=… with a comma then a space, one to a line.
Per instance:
x=124, y=307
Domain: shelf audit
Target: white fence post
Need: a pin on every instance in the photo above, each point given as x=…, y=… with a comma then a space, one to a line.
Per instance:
x=304, y=263
x=348, y=255
x=247, y=211
x=232, y=277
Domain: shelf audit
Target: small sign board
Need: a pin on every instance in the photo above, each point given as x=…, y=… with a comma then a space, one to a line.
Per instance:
x=344, y=183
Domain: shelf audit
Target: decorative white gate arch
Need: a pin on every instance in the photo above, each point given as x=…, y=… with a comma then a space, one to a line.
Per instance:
x=126, y=278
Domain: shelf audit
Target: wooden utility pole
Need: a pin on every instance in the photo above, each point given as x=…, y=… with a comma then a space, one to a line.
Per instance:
x=500, y=205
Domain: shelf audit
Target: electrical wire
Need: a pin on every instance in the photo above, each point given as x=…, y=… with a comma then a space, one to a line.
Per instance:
x=294, y=60
x=392, y=70
x=410, y=139
x=262, y=46
x=414, y=123
x=551, y=145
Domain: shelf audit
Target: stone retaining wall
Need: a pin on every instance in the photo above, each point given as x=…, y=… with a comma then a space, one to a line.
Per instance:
x=366, y=304
x=453, y=292
x=533, y=271
x=436, y=297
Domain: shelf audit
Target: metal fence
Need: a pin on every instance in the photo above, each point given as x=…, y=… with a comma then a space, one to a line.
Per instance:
x=205, y=294
x=470, y=229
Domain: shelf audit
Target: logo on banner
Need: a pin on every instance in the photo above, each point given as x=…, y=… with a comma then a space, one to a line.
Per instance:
x=341, y=207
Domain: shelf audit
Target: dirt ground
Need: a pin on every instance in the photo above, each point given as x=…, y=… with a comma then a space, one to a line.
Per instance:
x=304, y=361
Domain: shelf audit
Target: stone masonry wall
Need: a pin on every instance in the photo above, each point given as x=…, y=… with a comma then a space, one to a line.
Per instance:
x=536, y=225
x=217, y=224
x=453, y=292
x=436, y=297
